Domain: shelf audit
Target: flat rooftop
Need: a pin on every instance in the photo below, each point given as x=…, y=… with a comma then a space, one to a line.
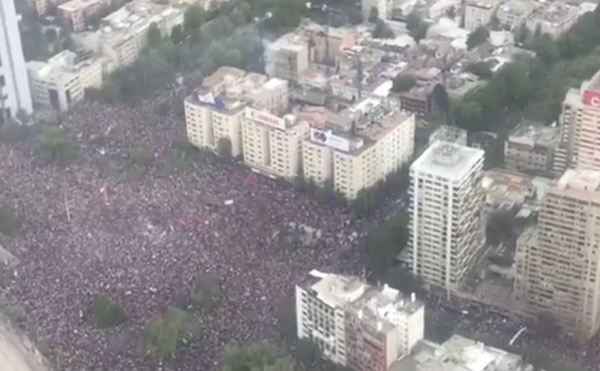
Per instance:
x=518, y=7
x=581, y=180
x=458, y=354
x=555, y=13
x=535, y=135
x=485, y=4
x=75, y=5
x=447, y=160
x=384, y=309
x=291, y=42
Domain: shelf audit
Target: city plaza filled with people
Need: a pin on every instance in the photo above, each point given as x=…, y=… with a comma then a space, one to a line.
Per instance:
x=143, y=238
x=142, y=233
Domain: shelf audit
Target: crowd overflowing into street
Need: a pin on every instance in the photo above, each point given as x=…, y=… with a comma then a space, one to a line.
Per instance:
x=93, y=227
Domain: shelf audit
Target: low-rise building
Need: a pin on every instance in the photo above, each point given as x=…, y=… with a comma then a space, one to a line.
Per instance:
x=124, y=33
x=42, y=6
x=479, y=12
x=358, y=147
x=514, y=13
x=449, y=134
x=76, y=12
x=553, y=19
x=327, y=46
x=61, y=81
x=287, y=57
x=355, y=324
x=460, y=353
x=530, y=148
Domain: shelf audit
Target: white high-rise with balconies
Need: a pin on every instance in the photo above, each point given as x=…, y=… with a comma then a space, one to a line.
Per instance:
x=14, y=86
x=446, y=229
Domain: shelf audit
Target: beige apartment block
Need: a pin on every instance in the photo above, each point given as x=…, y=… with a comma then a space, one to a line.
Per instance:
x=558, y=263
x=76, y=12
x=358, y=147
x=357, y=325
x=250, y=111
x=530, y=148
x=446, y=225
x=287, y=57
x=61, y=81
x=479, y=12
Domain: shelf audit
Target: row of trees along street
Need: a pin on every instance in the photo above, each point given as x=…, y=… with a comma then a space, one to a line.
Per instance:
x=534, y=86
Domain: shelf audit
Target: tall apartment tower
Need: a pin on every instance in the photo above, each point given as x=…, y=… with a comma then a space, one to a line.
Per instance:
x=580, y=128
x=357, y=325
x=14, y=86
x=446, y=227
x=558, y=262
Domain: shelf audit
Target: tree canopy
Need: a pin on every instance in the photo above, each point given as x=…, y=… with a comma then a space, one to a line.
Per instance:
x=56, y=146
x=416, y=26
x=534, y=86
x=477, y=37
x=383, y=244
x=163, y=333
x=403, y=83
x=255, y=357
x=107, y=313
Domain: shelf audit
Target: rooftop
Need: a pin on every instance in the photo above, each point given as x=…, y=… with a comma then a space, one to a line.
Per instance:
x=459, y=354
x=291, y=42
x=382, y=308
x=518, y=7
x=230, y=88
x=75, y=5
x=581, y=180
x=448, y=160
x=535, y=135
x=555, y=13
x=486, y=4
x=64, y=63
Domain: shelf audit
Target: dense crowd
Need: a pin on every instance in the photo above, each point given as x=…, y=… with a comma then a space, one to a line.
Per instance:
x=103, y=225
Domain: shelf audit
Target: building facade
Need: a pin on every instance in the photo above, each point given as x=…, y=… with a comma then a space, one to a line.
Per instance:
x=249, y=111
x=75, y=13
x=62, y=80
x=447, y=203
x=579, y=130
x=355, y=324
x=479, y=13
x=359, y=148
x=14, y=87
x=530, y=148
x=558, y=263
x=287, y=58
x=43, y=6
x=553, y=19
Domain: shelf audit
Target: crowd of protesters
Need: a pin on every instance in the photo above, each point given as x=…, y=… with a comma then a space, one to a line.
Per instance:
x=141, y=235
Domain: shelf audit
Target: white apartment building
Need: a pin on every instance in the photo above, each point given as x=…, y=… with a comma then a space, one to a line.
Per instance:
x=61, y=81
x=553, y=19
x=124, y=33
x=579, y=129
x=243, y=108
x=359, y=147
x=446, y=228
x=514, y=13
x=14, y=87
x=357, y=325
x=479, y=12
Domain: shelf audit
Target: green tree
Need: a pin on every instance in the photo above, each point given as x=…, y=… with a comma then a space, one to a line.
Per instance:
x=441, y=100
x=382, y=31
x=163, y=333
x=383, y=245
x=417, y=28
x=12, y=132
x=55, y=146
x=206, y=291
x=566, y=365
x=451, y=12
x=467, y=114
x=255, y=357
x=107, y=313
x=403, y=83
x=8, y=222
x=477, y=37
x=481, y=70
x=546, y=49
x=154, y=36
x=193, y=19
x=374, y=15
x=141, y=155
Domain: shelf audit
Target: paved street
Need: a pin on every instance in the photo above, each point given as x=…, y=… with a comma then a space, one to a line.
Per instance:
x=16, y=354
